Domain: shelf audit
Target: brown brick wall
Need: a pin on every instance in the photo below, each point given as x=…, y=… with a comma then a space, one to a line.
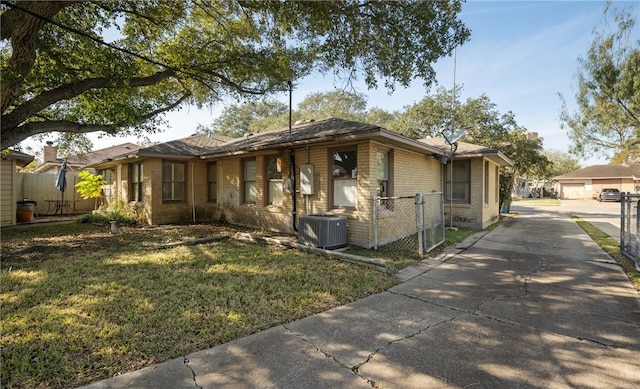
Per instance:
x=411, y=173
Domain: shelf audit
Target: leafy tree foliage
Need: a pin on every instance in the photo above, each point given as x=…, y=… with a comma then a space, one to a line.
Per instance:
x=608, y=117
x=253, y=117
x=114, y=66
x=427, y=117
x=561, y=163
x=340, y=104
x=90, y=186
x=257, y=116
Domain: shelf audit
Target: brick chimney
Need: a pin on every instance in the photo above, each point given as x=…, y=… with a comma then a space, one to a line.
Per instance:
x=49, y=153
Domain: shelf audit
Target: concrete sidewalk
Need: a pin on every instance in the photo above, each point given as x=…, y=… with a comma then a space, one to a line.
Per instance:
x=533, y=304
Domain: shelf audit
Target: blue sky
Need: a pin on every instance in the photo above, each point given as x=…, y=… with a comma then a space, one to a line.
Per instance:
x=521, y=54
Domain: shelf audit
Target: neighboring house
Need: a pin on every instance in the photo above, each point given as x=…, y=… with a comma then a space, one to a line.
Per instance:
x=51, y=162
x=588, y=182
x=250, y=180
x=8, y=185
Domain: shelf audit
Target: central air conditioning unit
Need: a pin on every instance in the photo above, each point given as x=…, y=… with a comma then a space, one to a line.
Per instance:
x=323, y=231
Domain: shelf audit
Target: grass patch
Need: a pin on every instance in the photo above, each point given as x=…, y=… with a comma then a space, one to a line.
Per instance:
x=404, y=253
x=611, y=247
x=80, y=304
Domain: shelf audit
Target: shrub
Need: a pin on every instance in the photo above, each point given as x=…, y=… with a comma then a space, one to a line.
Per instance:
x=90, y=186
x=119, y=211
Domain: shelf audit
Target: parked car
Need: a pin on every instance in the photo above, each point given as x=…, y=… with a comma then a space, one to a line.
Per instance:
x=609, y=194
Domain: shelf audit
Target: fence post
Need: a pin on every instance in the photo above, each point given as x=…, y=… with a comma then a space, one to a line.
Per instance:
x=637, y=253
x=375, y=222
x=623, y=200
x=419, y=222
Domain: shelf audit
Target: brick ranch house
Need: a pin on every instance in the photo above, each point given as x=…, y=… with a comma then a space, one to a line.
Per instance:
x=250, y=180
x=586, y=183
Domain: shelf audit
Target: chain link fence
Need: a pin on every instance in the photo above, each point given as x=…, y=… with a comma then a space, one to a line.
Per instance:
x=630, y=227
x=411, y=225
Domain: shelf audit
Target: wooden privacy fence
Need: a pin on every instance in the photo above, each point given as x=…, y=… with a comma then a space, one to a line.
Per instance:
x=41, y=188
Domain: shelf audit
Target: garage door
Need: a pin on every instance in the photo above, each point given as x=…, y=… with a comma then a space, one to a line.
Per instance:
x=598, y=185
x=573, y=192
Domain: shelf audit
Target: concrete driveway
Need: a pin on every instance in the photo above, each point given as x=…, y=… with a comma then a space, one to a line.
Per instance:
x=604, y=215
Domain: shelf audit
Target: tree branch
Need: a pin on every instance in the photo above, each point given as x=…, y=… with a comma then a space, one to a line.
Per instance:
x=18, y=134
x=195, y=76
x=151, y=114
x=9, y=138
x=21, y=26
x=65, y=92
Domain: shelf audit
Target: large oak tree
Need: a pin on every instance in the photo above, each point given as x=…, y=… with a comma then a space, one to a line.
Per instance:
x=114, y=66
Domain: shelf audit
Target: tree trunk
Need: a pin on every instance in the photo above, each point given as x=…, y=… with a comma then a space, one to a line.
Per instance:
x=21, y=24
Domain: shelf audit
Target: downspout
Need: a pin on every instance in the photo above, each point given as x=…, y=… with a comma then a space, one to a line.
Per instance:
x=306, y=196
x=292, y=172
x=193, y=195
x=292, y=165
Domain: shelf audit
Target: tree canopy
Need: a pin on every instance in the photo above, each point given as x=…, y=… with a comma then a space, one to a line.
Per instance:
x=114, y=66
x=608, y=96
x=561, y=163
x=483, y=123
x=264, y=115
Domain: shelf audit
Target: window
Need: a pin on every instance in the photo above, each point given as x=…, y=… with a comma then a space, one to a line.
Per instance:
x=345, y=178
x=212, y=181
x=458, y=186
x=135, y=187
x=497, y=182
x=274, y=181
x=173, y=181
x=486, y=182
x=382, y=174
x=108, y=175
x=383, y=179
x=250, y=189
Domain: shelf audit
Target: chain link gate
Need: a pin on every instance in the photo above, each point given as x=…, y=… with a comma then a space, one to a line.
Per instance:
x=630, y=226
x=430, y=221
x=410, y=224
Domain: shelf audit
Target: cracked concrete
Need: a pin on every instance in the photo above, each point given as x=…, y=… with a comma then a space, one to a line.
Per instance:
x=520, y=307
x=195, y=379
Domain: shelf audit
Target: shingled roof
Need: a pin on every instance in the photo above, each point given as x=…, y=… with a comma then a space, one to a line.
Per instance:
x=186, y=148
x=330, y=130
x=101, y=154
x=76, y=162
x=469, y=150
x=192, y=146
x=604, y=171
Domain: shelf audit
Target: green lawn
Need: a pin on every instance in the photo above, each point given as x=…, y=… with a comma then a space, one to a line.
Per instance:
x=80, y=304
x=611, y=247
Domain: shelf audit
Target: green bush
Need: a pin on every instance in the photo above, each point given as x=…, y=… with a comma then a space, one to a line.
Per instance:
x=119, y=211
x=90, y=186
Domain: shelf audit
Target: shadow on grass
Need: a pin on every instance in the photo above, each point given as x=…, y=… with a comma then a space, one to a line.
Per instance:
x=81, y=304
